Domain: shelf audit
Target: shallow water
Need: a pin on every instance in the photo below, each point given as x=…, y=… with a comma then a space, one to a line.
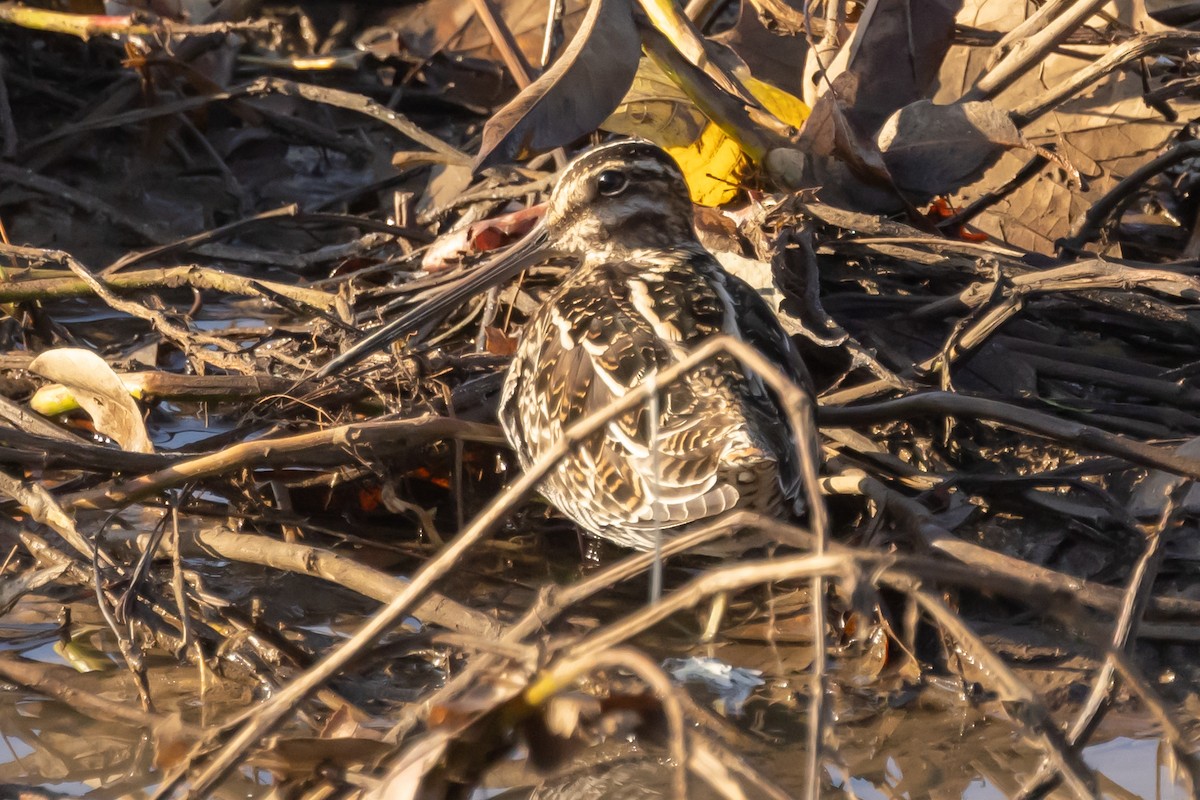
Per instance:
x=887, y=741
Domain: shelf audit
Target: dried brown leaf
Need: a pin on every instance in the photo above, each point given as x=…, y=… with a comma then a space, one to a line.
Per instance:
x=769, y=55
x=100, y=393
x=935, y=149
x=895, y=52
x=452, y=26
x=452, y=249
x=1105, y=134
x=575, y=95
x=171, y=742
x=833, y=155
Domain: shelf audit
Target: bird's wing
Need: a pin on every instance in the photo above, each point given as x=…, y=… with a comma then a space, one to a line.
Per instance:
x=600, y=335
x=757, y=325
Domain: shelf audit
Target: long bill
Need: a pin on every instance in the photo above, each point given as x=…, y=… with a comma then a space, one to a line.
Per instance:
x=503, y=267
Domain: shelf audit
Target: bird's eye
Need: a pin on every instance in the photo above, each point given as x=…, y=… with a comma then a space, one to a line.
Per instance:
x=611, y=182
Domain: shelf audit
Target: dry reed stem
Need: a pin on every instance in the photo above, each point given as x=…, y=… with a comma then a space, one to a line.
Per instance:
x=333, y=446
x=319, y=563
x=1031, y=47
x=1056, y=429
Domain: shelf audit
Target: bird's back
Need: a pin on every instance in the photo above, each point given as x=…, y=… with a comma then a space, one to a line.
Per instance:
x=720, y=441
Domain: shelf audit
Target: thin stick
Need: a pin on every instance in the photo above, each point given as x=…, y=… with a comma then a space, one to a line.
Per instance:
x=1124, y=634
x=183, y=338
x=1028, y=709
x=1115, y=58
x=1032, y=24
x=1083, y=276
x=848, y=564
x=342, y=570
x=555, y=600
x=196, y=277
x=502, y=37
x=62, y=684
x=1028, y=52
x=1002, y=573
x=199, y=238
x=363, y=105
x=1079, y=276
x=1022, y=419
x=1089, y=226
x=328, y=447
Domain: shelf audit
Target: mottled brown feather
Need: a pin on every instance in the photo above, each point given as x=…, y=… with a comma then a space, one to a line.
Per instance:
x=645, y=295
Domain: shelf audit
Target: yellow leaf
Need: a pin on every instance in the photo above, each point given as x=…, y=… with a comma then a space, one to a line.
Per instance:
x=656, y=109
x=712, y=162
x=783, y=105
x=54, y=398
x=713, y=165
x=82, y=656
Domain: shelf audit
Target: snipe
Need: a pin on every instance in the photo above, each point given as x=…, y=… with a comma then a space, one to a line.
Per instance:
x=646, y=293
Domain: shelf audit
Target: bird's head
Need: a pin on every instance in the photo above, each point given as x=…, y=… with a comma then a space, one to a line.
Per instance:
x=625, y=195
